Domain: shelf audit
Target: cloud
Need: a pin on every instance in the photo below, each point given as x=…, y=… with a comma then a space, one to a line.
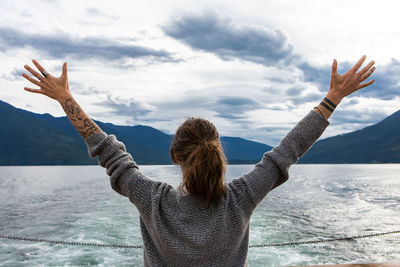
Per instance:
x=294, y=90
x=320, y=75
x=14, y=75
x=220, y=36
x=299, y=94
x=99, y=13
x=387, y=82
x=130, y=108
x=62, y=45
x=234, y=107
x=353, y=116
x=80, y=88
x=97, y=16
x=304, y=96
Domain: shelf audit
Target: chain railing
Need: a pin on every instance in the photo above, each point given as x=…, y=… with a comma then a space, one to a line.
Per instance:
x=296, y=243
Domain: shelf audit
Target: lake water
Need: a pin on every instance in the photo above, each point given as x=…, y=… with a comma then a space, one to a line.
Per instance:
x=76, y=203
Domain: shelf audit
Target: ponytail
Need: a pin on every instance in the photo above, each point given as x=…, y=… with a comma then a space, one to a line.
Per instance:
x=197, y=149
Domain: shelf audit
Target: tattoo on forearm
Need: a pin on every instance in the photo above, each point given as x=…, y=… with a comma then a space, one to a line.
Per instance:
x=72, y=109
x=83, y=124
x=87, y=123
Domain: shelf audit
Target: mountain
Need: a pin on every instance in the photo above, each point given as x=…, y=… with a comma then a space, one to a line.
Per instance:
x=240, y=151
x=28, y=138
x=379, y=143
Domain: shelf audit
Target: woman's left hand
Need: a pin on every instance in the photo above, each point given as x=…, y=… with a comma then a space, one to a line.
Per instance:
x=56, y=88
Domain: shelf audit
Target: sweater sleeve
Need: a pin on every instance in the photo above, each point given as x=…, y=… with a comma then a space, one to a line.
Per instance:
x=273, y=169
x=125, y=176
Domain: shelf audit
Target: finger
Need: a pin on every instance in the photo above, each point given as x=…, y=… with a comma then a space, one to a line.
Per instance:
x=40, y=68
x=34, y=73
x=29, y=78
x=334, y=67
x=366, y=75
x=358, y=64
x=366, y=68
x=37, y=91
x=64, y=70
x=366, y=84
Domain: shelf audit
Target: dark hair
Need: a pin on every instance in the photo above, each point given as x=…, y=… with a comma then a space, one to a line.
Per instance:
x=196, y=148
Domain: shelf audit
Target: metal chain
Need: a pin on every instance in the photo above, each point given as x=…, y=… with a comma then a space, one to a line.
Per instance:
x=68, y=242
x=322, y=241
x=138, y=246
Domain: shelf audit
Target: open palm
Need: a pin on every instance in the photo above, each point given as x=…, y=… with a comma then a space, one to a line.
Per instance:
x=56, y=88
x=345, y=84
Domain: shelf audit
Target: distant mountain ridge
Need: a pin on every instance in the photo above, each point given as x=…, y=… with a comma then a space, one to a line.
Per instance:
x=28, y=138
x=378, y=143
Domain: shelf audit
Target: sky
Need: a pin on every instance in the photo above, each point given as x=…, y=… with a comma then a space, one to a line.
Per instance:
x=253, y=68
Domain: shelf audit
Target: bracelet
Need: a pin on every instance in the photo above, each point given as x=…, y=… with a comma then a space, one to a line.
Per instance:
x=326, y=106
x=330, y=102
x=320, y=111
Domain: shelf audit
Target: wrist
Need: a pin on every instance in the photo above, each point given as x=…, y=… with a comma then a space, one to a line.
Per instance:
x=318, y=110
x=336, y=99
x=63, y=98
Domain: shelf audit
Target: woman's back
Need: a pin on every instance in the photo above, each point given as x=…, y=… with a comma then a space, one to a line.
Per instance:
x=177, y=228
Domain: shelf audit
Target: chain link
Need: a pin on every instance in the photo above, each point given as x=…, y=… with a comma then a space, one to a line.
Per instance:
x=323, y=241
x=62, y=242
x=56, y=242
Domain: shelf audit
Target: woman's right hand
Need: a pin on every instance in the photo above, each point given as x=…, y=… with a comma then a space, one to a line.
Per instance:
x=345, y=84
x=53, y=87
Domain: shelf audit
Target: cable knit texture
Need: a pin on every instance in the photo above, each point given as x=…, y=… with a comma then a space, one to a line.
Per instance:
x=176, y=228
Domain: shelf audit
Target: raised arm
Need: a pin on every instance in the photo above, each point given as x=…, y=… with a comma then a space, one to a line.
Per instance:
x=344, y=85
x=125, y=177
x=273, y=169
x=58, y=89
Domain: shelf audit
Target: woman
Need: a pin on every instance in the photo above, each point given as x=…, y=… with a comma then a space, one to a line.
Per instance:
x=204, y=221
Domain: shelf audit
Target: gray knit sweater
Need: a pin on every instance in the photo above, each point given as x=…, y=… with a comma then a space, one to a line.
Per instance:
x=176, y=228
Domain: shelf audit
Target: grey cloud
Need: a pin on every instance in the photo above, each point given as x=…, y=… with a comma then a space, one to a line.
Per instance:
x=93, y=11
x=227, y=107
x=212, y=33
x=233, y=107
x=280, y=79
x=97, y=12
x=14, y=75
x=295, y=94
x=17, y=72
x=131, y=108
x=186, y=102
x=320, y=75
x=80, y=88
x=277, y=107
x=6, y=77
x=387, y=82
x=237, y=101
x=97, y=16
x=62, y=45
x=310, y=97
x=357, y=117
x=353, y=101
x=294, y=90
